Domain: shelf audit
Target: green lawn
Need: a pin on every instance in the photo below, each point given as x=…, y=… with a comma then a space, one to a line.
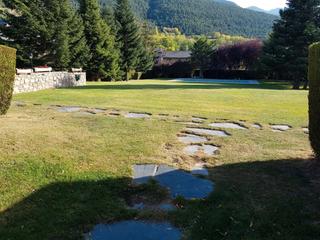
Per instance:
x=266, y=103
x=62, y=173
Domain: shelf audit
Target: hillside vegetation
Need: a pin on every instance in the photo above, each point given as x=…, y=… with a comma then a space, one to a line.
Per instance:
x=203, y=16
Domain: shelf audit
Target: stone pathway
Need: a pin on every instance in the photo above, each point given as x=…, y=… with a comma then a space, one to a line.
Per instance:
x=179, y=183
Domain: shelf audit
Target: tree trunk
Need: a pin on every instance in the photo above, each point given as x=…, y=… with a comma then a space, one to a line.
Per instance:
x=296, y=84
x=306, y=84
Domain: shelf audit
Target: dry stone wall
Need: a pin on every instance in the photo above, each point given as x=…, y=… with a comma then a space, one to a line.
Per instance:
x=40, y=81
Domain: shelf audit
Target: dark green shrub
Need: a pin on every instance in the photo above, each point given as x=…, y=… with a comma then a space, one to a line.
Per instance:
x=7, y=76
x=314, y=97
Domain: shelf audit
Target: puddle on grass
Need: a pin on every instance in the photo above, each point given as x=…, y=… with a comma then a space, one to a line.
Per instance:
x=178, y=182
x=135, y=230
x=191, y=138
x=227, y=125
x=207, y=149
x=281, y=127
x=137, y=115
x=209, y=132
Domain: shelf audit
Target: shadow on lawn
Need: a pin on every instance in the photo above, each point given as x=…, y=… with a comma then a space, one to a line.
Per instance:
x=126, y=86
x=259, y=200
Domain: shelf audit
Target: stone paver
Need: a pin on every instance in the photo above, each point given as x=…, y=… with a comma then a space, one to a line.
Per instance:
x=137, y=115
x=227, y=125
x=178, y=182
x=207, y=149
x=191, y=138
x=209, y=132
x=200, y=169
x=134, y=230
x=143, y=173
x=256, y=125
x=281, y=127
x=69, y=109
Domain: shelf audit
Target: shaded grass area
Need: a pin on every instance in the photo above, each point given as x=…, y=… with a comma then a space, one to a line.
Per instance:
x=265, y=103
x=273, y=199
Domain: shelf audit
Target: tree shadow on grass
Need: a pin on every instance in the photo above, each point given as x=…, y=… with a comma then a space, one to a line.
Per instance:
x=185, y=86
x=65, y=210
x=258, y=200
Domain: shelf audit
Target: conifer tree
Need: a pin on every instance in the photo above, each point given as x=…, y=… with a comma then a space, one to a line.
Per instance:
x=286, y=51
x=49, y=31
x=104, y=54
x=146, y=57
x=202, y=52
x=128, y=38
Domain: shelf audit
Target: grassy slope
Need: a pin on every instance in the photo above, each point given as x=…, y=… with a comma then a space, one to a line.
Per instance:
x=265, y=103
x=61, y=174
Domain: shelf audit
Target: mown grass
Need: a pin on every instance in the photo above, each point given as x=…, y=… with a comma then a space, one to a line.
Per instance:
x=268, y=102
x=62, y=173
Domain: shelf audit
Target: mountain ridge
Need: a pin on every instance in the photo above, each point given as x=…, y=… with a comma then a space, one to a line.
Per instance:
x=204, y=16
x=275, y=11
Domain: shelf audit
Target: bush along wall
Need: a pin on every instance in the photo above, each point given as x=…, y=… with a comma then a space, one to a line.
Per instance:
x=314, y=97
x=7, y=76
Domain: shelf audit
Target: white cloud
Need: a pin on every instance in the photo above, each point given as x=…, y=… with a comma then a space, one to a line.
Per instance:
x=264, y=4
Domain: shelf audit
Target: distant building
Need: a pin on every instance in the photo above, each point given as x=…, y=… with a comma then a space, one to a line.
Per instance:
x=169, y=57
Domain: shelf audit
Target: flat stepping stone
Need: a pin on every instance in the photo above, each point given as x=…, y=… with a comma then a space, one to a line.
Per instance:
x=227, y=125
x=134, y=230
x=178, y=182
x=198, y=119
x=20, y=104
x=165, y=207
x=142, y=174
x=200, y=169
x=281, y=127
x=257, y=126
x=210, y=132
x=137, y=115
x=191, y=138
x=181, y=183
x=193, y=150
x=98, y=110
x=69, y=109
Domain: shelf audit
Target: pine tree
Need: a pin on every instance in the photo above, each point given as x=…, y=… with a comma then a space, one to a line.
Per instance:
x=146, y=57
x=104, y=54
x=202, y=52
x=48, y=30
x=128, y=38
x=286, y=51
x=108, y=15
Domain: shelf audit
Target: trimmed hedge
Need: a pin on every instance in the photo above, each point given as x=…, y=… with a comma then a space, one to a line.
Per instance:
x=314, y=97
x=7, y=76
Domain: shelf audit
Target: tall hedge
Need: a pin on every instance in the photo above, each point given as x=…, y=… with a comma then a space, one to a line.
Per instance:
x=7, y=76
x=314, y=97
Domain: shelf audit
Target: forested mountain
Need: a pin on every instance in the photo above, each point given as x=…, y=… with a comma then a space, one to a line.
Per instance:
x=203, y=16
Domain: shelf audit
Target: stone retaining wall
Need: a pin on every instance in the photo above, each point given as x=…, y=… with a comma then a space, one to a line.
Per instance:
x=40, y=81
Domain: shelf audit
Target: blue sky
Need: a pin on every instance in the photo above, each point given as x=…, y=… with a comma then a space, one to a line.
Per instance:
x=264, y=4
